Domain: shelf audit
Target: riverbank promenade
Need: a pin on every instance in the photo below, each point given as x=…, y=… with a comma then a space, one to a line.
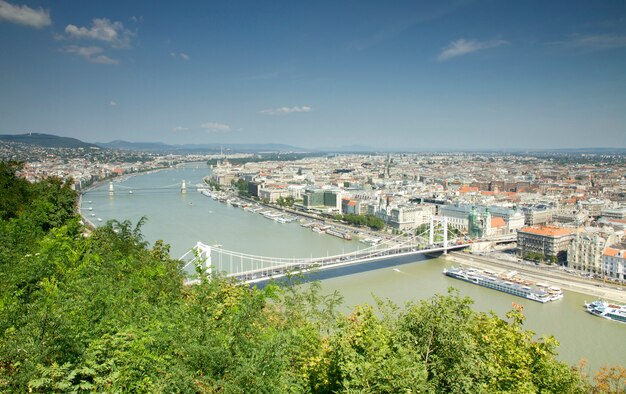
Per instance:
x=594, y=288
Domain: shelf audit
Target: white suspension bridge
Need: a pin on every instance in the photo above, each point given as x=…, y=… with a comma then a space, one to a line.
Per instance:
x=249, y=268
x=179, y=186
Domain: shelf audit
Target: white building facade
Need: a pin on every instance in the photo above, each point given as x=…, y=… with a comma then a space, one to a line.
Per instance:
x=615, y=264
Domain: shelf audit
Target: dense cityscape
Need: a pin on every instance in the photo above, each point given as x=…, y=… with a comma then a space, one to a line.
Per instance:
x=558, y=207
x=565, y=209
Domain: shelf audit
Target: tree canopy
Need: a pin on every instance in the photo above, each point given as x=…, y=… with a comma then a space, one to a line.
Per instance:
x=371, y=221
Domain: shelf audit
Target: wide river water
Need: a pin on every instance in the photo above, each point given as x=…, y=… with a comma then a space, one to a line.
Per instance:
x=183, y=219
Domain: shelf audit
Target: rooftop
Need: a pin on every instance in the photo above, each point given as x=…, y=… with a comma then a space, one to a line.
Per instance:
x=614, y=251
x=547, y=231
x=467, y=189
x=497, y=222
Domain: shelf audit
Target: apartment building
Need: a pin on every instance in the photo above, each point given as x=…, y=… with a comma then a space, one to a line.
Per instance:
x=538, y=215
x=585, y=252
x=546, y=240
x=409, y=216
x=615, y=263
x=614, y=213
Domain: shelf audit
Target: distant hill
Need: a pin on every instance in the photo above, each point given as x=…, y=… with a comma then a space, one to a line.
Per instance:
x=46, y=140
x=600, y=151
x=135, y=146
x=198, y=148
x=350, y=149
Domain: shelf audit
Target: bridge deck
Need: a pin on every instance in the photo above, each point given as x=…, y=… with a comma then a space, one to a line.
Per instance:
x=263, y=274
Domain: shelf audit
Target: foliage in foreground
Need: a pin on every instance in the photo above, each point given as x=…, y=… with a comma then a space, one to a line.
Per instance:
x=108, y=314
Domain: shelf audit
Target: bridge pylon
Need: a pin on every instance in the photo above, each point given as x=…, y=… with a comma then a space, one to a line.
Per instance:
x=111, y=190
x=445, y=235
x=431, y=235
x=201, y=253
x=183, y=188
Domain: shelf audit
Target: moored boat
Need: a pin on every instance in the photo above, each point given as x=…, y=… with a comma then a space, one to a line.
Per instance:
x=338, y=233
x=490, y=280
x=555, y=293
x=607, y=310
x=372, y=241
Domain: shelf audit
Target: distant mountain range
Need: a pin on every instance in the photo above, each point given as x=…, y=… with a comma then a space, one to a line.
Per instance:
x=46, y=140
x=352, y=149
x=54, y=141
x=199, y=148
x=585, y=150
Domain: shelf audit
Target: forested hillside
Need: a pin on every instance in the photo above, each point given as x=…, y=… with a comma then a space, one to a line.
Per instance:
x=107, y=313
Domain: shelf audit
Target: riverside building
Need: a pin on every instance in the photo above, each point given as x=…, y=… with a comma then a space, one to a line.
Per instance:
x=319, y=199
x=585, y=252
x=479, y=221
x=614, y=260
x=405, y=217
x=545, y=240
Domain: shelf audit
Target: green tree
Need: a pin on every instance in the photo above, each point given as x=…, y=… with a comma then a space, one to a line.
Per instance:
x=367, y=355
x=15, y=193
x=362, y=220
x=242, y=187
x=214, y=185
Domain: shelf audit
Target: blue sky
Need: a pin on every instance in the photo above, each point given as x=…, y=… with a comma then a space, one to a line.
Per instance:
x=414, y=75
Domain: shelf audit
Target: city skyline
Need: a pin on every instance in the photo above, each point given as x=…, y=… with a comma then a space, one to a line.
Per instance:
x=453, y=75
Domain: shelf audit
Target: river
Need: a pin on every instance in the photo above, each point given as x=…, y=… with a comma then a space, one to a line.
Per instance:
x=183, y=219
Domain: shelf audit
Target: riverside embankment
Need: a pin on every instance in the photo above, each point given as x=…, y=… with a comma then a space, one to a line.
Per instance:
x=591, y=287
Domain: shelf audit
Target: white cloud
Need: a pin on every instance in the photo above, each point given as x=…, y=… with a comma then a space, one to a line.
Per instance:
x=214, y=127
x=103, y=29
x=103, y=59
x=136, y=19
x=462, y=47
x=112, y=103
x=24, y=15
x=286, y=110
x=179, y=128
x=599, y=41
x=183, y=56
x=91, y=54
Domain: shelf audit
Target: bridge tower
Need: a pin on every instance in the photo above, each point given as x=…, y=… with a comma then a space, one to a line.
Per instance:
x=111, y=190
x=445, y=234
x=199, y=253
x=204, y=254
x=431, y=234
x=183, y=188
